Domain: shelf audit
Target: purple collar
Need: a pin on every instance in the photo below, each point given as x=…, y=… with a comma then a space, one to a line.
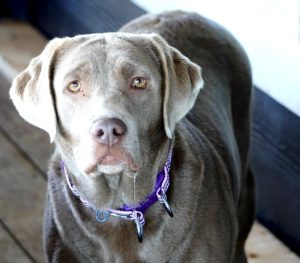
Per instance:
x=134, y=213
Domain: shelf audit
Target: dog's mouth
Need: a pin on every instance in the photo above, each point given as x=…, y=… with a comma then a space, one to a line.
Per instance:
x=110, y=161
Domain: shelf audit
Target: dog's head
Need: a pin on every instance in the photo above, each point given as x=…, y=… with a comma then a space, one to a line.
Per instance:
x=106, y=99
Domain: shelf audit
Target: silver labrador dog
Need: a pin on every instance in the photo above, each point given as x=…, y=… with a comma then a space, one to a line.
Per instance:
x=149, y=147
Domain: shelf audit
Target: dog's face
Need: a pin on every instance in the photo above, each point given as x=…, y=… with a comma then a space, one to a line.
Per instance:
x=107, y=99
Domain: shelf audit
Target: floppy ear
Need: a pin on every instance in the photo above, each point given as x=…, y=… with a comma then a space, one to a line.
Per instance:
x=182, y=81
x=31, y=90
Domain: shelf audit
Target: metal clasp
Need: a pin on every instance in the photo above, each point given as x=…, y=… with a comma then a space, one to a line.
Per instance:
x=163, y=199
x=139, y=222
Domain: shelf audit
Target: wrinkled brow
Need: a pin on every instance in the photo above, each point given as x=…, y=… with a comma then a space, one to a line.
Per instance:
x=128, y=69
x=76, y=70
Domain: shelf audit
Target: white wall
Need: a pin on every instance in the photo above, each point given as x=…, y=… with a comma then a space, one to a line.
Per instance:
x=269, y=31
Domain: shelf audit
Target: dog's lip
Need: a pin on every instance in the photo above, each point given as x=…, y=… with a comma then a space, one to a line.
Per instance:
x=110, y=159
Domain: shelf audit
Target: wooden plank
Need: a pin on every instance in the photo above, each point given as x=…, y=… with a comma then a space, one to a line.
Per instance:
x=263, y=247
x=24, y=149
x=32, y=141
x=19, y=43
x=22, y=198
x=10, y=250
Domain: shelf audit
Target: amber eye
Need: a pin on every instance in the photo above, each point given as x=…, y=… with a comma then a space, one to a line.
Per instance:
x=74, y=86
x=139, y=83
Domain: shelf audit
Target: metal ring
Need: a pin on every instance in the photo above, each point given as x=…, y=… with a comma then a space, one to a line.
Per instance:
x=102, y=215
x=159, y=194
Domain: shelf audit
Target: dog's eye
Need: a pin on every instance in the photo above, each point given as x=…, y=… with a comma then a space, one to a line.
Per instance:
x=74, y=86
x=139, y=83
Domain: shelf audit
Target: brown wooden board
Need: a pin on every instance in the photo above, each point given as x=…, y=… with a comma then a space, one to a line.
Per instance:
x=9, y=250
x=32, y=143
x=19, y=43
x=263, y=247
x=22, y=193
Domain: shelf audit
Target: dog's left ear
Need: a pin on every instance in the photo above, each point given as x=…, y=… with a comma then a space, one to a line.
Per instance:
x=182, y=81
x=31, y=90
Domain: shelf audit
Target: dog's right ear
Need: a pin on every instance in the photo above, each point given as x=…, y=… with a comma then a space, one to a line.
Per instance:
x=31, y=90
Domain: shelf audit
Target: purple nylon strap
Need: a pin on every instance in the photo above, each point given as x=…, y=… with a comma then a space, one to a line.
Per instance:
x=134, y=213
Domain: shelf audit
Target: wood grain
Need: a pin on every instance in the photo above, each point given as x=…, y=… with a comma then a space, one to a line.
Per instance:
x=22, y=196
x=9, y=250
x=263, y=247
x=31, y=141
x=19, y=43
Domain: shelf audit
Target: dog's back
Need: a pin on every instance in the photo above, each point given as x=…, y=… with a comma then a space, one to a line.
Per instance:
x=222, y=110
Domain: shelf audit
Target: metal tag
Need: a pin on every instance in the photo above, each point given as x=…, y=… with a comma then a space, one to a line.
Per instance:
x=139, y=227
x=167, y=205
x=102, y=215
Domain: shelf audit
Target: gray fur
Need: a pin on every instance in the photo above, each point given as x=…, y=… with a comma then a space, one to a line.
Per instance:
x=211, y=189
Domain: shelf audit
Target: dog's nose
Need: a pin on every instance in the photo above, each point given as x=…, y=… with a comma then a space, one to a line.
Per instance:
x=108, y=131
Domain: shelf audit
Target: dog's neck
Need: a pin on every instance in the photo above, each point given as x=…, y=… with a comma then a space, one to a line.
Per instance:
x=113, y=191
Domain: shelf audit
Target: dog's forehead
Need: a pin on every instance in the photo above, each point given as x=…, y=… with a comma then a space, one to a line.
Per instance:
x=108, y=49
x=111, y=45
x=102, y=53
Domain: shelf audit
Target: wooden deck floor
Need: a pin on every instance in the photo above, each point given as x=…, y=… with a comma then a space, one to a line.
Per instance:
x=24, y=151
